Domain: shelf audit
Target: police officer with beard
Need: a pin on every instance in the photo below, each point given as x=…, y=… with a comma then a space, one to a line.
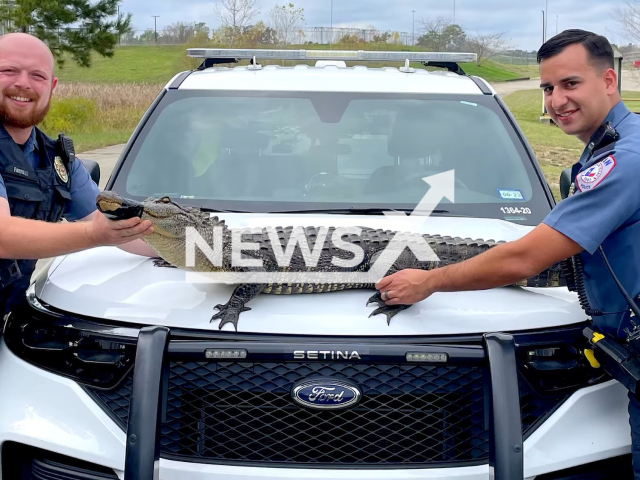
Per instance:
x=40, y=180
x=581, y=96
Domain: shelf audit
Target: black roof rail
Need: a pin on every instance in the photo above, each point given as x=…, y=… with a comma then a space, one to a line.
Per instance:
x=480, y=83
x=451, y=66
x=210, y=62
x=179, y=79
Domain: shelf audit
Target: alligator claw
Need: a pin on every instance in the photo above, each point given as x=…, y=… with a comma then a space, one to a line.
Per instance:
x=389, y=311
x=376, y=298
x=228, y=315
x=159, y=262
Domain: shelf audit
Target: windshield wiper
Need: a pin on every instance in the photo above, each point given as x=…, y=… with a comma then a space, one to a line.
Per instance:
x=356, y=211
x=220, y=210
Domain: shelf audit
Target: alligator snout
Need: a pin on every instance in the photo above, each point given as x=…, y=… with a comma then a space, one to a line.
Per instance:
x=117, y=208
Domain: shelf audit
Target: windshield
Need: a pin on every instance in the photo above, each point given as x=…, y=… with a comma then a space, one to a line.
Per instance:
x=277, y=152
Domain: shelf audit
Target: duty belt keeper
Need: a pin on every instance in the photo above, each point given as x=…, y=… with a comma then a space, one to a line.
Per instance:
x=9, y=272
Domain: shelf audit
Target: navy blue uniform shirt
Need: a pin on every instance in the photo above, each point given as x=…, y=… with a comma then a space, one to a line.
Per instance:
x=83, y=189
x=605, y=210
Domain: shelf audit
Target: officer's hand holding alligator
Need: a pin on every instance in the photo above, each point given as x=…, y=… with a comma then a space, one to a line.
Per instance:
x=41, y=181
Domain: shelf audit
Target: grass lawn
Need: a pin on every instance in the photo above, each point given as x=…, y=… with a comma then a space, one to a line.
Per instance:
x=554, y=149
x=157, y=64
x=137, y=64
x=98, y=115
x=493, y=72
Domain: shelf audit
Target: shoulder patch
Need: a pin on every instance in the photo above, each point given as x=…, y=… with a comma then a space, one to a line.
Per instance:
x=593, y=175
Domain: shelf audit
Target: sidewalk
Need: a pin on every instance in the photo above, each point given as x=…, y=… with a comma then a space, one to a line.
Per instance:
x=106, y=157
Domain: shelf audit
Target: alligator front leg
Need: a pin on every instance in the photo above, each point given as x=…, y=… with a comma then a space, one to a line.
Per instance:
x=389, y=311
x=375, y=298
x=230, y=311
x=160, y=262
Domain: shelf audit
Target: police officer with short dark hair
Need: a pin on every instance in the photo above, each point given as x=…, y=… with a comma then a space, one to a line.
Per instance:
x=581, y=96
x=41, y=181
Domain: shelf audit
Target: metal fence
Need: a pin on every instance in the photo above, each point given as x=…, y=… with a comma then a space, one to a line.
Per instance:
x=320, y=35
x=516, y=58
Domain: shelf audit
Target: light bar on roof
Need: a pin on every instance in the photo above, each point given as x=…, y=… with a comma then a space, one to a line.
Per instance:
x=331, y=54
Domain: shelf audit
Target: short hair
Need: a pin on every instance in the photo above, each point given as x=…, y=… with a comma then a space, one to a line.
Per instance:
x=598, y=47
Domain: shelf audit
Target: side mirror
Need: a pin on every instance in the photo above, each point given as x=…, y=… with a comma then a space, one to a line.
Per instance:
x=93, y=168
x=565, y=182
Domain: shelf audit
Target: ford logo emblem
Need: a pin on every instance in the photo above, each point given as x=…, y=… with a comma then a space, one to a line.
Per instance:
x=326, y=393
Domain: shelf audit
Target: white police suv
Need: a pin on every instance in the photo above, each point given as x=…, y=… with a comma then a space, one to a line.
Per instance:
x=115, y=370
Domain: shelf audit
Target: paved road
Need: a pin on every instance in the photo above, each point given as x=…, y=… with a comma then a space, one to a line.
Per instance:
x=106, y=158
x=505, y=88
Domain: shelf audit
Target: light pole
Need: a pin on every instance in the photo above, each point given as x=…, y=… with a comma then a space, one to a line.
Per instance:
x=155, y=30
x=331, y=27
x=454, y=11
x=546, y=16
x=543, y=36
x=413, y=28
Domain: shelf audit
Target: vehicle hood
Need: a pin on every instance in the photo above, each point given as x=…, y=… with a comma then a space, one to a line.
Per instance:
x=108, y=283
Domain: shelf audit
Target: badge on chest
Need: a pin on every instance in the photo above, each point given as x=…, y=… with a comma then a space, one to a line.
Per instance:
x=61, y=171
x=595, y=174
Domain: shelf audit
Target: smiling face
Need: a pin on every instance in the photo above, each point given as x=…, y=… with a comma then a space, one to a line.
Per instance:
x=26, y=80
x=578, y=93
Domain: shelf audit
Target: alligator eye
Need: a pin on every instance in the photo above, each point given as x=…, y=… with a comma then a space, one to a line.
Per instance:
x=165, y=200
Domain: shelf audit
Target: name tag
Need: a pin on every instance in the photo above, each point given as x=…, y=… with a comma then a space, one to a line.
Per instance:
x=20, y=171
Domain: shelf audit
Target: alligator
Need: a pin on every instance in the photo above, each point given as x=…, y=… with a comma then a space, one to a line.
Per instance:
x=170, y=221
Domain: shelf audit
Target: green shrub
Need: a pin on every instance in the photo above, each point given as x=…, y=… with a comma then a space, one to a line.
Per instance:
x=69, y=115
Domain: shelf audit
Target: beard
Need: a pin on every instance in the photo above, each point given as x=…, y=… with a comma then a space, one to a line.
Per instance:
x=22, y=119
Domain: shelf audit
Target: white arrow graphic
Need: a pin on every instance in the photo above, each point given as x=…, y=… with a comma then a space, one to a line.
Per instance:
x=442, y=186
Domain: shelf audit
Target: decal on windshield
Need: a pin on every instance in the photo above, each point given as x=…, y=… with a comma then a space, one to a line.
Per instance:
x=518, y=210
x=510, y=194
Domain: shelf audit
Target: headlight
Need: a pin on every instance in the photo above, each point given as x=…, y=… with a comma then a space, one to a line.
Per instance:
x=56, y=344
x=557, y=364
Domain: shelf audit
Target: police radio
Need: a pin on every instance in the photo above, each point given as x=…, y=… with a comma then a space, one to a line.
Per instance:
x=64, y=146
x=603, y=136
x=620, y=359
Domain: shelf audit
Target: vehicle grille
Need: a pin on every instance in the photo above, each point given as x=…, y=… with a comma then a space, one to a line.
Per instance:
x=243, y=413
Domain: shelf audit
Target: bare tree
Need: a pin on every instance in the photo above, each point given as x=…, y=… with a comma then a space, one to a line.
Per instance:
x=440, y=35
x=235, y=14
x=286, y=20
x=485, y=46
x=628, y=19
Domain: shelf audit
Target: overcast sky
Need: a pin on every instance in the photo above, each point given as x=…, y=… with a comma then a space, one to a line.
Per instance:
x=521, y=20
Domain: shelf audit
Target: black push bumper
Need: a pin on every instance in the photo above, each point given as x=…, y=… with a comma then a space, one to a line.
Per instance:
x=150, y=381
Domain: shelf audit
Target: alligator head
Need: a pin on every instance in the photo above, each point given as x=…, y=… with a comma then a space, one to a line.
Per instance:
x=169, y=220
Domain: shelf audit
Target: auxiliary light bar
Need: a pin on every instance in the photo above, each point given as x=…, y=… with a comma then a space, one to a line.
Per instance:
x=361, y=55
